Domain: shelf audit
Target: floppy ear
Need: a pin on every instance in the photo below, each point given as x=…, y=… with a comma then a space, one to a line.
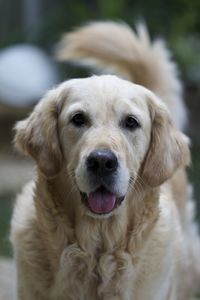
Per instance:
x=169, y=148
x=37, y=136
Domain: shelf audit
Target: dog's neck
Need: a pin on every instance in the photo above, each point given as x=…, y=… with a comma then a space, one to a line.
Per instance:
x=62, y=217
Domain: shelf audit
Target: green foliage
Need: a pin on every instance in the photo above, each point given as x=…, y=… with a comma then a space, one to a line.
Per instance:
x=178, y=21
x=5, y=215
x=187, y=52
x=194, y=177
x=111, y=9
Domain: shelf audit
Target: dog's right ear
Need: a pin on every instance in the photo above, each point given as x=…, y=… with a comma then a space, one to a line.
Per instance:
x=37, y=136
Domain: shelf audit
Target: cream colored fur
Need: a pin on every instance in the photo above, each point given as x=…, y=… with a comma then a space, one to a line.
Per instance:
x=145, y=249
x=115, y=48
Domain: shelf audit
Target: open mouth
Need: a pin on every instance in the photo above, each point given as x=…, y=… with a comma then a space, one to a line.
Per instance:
x=101, y=201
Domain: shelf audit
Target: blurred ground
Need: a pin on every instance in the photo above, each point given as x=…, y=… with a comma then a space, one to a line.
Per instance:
x=7, y=282
x=15, y=170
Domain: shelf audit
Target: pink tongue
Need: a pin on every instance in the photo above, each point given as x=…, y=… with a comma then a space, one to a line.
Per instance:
x=101, y=201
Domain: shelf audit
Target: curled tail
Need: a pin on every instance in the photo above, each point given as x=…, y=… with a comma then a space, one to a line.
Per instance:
x=116, y=48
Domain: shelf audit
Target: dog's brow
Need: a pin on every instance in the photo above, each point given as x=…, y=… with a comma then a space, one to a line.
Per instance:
x=76, y=107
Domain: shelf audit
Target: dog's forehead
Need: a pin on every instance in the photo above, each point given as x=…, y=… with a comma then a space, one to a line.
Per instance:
x=106, y=93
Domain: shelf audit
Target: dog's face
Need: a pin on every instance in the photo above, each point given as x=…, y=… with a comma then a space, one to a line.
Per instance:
x=104, y=132
x=108, y=133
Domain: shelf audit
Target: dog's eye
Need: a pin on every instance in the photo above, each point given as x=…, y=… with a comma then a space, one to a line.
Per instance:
x=79, y=120
x=131, y=123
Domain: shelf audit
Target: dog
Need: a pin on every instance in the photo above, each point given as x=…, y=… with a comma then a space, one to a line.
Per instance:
x=109, y=214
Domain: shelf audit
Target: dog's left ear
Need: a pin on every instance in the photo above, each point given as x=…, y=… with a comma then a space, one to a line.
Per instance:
x=37, y=136
x=169, y=148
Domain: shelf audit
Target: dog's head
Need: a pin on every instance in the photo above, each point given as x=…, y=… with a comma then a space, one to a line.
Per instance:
x=107, y=133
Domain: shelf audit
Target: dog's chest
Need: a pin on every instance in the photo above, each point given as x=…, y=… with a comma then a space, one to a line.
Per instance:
x=86, y=277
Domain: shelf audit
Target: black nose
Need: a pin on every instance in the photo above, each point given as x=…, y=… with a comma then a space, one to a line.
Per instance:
x=102, y=162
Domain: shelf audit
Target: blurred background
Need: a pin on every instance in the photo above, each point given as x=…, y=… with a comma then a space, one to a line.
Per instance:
x=29, y=31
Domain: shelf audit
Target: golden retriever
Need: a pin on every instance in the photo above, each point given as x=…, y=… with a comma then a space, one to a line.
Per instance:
x=104, y=218
x=98, y=222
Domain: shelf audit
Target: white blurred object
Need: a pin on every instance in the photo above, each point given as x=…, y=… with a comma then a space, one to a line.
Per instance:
x=26, y=73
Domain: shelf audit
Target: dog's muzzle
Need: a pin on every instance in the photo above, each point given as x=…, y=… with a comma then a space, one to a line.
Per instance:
x=102, y=165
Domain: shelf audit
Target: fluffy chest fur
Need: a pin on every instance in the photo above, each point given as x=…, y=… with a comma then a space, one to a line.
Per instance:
x=125, y=271
x=99, y=259
x=104, y=276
